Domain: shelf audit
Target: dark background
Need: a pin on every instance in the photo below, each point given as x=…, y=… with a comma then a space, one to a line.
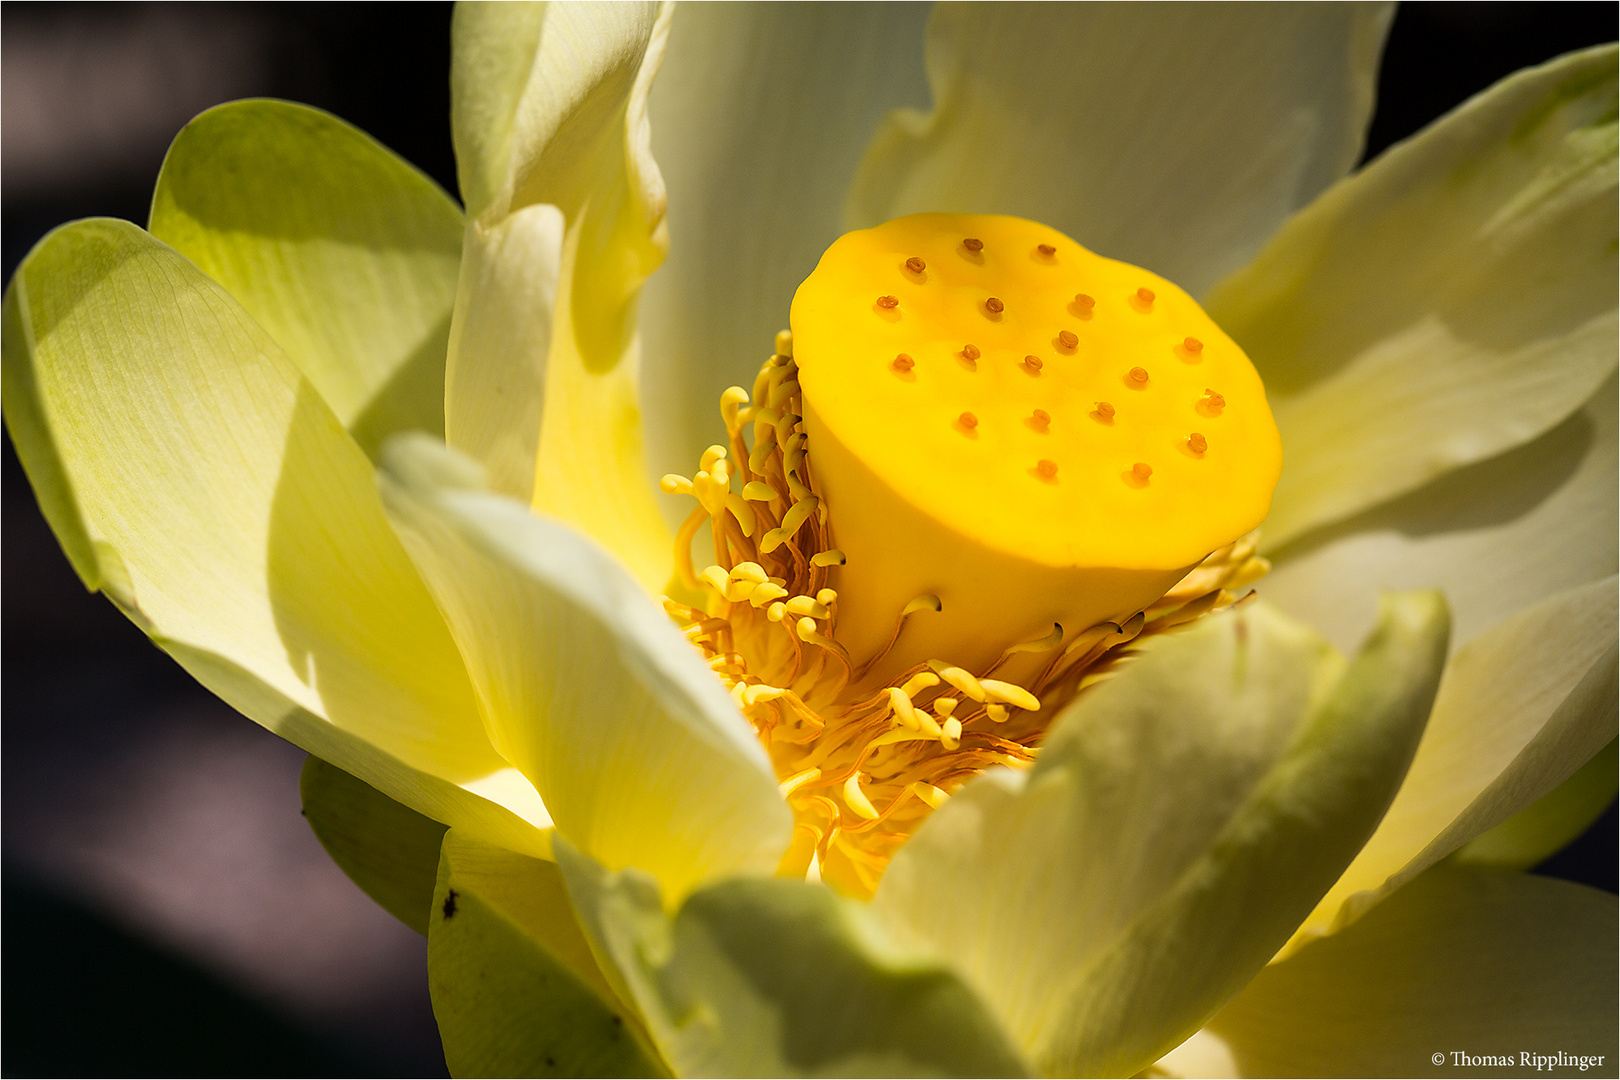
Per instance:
x=165, y=909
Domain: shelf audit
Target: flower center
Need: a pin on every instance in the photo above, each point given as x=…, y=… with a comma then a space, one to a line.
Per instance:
x=1024, y=455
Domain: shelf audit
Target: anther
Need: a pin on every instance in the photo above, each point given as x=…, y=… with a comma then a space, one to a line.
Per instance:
x=1193, y=346
x=1041, y=417
x=1142, y=470
x=997, y=713
x=1103, y=411
x=1084, y=302
x=994, y=306
x=968, y=420
x=830, y=557
x=672, y=484
x=916, y=265
x=1068, y=339
x=1196, y=443
x=973, y=245
x=1145, y=295
x=826, y=596
x=970, y=352
x=1138, y=376
x=950, y=736
x=784, y=343
x=1046, y=469
x=1046, y=249
x=904, y=363
x=944, y=706
x=758, y=491
x=888, y=302
x=1033, y=363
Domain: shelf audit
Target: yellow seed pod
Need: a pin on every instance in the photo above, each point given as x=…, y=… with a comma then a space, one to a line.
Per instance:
x=1001, y=485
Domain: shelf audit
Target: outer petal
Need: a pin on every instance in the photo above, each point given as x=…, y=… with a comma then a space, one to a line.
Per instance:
x=549, y=108
x=759, y=118
x=1177, y=137
x=1519, y=710
x=1453, y=300
x=389, y=850
x=1183, y=817
x=515, y=988
x=199, y=481
x=1547, y=825
x=781, y=978
x=1479, y=962
x=585, y=684
x=343, y=251
x=1497, y=536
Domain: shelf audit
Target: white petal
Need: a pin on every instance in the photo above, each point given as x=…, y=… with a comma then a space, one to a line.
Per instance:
x=1454, y=299
x=1174, y=137
x=759, y=118
x=1520, y=708
x=1497, y=536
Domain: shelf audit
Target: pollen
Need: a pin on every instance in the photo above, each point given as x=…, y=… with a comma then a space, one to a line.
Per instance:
x=916, y=265
x=1137, y=376
x=911, y=576
x=994, y=306
x=888, y=302
x=1144, y=295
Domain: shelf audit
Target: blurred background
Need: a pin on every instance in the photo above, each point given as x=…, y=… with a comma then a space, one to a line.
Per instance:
x=166, y=910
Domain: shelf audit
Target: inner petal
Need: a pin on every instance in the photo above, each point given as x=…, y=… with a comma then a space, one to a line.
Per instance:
x=983, y=462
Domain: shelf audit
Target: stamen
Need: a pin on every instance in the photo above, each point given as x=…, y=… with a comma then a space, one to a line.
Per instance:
x=856, y=799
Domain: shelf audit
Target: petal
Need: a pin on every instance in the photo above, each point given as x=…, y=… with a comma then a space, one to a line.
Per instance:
x=549, y=108
x=585, y=684
x=1183, y=817
x=389, y=850
x=1176, y=138
x=1453, y=300
x=759, y=118
x=1472, y=961
x=1544, y=827
x=343, y=251
x=515, y=989
x=771, y=977
x=1520, y=708
x=196, y=478
x=1496, y=536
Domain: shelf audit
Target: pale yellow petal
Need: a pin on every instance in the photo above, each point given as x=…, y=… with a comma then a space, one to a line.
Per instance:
x=759, y=117
x=585, y=684
x=1183, y=816
x=1474, y=962
x=343, y=251
x=1520, y=709
x=1497, y=536
x=200, y=481
x=549, y=109
x=1176, y=137
x=1453, y=300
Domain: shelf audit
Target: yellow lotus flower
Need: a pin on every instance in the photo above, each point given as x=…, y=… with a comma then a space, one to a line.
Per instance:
x=1228, y=854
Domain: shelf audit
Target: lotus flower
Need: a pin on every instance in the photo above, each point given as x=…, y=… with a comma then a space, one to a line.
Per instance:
x=1235, y=850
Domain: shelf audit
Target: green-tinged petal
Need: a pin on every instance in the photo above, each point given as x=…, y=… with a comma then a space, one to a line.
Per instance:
x=201, y=483
x=1552, y=821
x=759, y=117
x=515, y=989
x=1183, y=817
x=772, y=977
x=342, y=250
x=1461, y=961
x=549, y=108
x=1176, y=137
x=1520, y=708
x=1496, y=536
x=389, y=850
x=585, y=683
x=1454, y=299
